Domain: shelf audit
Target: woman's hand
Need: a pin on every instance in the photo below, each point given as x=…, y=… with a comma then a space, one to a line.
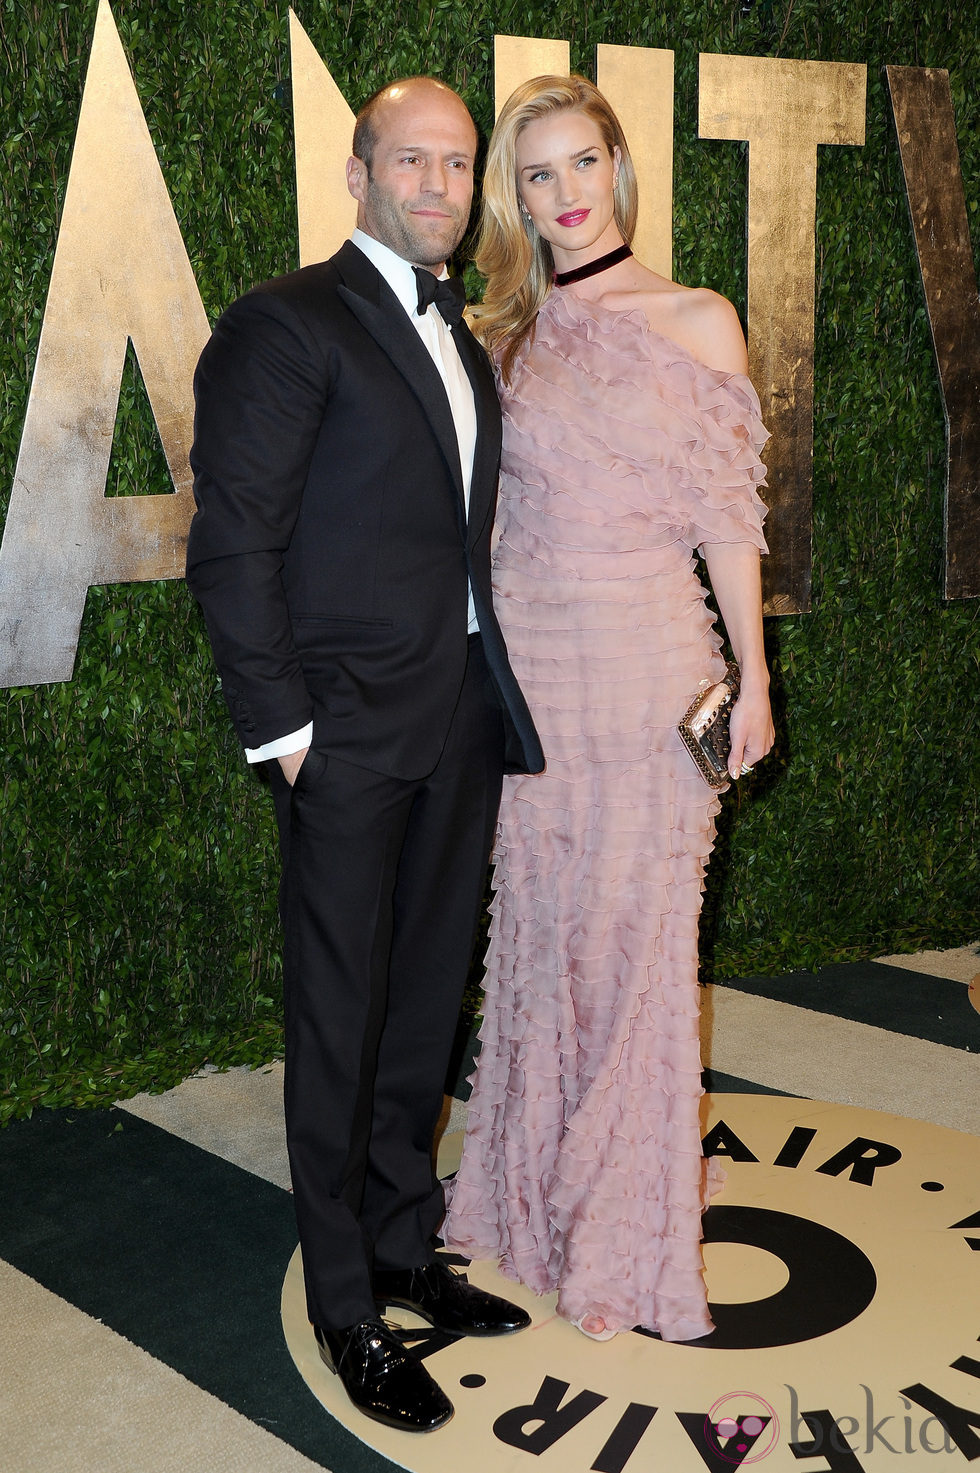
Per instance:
x=751, y=727
x=733, y=568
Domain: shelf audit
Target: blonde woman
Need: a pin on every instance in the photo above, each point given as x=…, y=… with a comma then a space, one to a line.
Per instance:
x=631, y=442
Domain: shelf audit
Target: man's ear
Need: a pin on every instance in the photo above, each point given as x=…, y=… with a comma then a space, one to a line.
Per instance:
x=357, y=178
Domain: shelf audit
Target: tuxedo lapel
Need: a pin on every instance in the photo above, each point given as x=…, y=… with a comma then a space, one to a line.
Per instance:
x=381, y=314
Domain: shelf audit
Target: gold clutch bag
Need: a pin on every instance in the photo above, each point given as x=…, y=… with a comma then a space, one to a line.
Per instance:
x=705, y=727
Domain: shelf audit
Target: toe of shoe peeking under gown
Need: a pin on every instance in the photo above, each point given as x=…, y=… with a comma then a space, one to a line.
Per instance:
x=582, y=1168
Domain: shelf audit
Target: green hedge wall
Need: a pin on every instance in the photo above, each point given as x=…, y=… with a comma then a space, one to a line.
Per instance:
x=137, y=859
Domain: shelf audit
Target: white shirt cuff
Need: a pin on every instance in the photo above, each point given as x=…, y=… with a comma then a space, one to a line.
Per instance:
x=282, y=746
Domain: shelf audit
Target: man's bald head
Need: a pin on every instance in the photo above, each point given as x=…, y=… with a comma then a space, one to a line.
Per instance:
x=368, y=123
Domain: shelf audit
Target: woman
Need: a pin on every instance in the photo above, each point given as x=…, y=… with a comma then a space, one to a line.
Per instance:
x=631, y=438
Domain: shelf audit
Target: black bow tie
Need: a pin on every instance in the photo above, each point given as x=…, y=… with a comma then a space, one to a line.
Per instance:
x=449, y=295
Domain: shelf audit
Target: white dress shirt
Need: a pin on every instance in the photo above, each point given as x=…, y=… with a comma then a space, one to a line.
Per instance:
x=438, y=340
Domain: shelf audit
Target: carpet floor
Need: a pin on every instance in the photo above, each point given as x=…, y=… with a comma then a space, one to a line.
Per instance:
x=144, y=1250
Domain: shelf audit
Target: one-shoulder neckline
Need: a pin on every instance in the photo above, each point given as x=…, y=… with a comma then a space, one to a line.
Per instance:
x=643, y=322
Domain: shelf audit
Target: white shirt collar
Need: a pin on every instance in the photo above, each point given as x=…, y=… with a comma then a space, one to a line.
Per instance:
x=397, y=272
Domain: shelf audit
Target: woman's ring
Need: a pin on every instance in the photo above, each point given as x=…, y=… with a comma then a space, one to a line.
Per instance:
x=744, y=769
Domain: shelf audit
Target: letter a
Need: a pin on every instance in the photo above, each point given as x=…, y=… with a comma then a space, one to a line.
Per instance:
x=120, y=273
x=322, y=125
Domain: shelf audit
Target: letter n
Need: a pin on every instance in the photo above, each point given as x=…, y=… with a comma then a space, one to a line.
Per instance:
x=120, y=273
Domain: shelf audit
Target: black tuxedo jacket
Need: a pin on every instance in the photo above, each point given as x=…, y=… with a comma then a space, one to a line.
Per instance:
x=330, y=550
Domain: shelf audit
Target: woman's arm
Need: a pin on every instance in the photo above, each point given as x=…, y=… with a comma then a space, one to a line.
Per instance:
x=733, y=568
x=708, y=326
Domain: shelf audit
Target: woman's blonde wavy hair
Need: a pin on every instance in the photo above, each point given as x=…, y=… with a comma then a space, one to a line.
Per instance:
x=510, y=253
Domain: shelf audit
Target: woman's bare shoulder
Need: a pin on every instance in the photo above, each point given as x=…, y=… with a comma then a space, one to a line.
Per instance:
x=702, y=321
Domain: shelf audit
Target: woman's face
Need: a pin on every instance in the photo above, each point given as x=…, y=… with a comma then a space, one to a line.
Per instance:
x=565, y=179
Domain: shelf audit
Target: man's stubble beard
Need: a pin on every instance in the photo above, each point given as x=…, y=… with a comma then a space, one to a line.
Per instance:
x=397, y=232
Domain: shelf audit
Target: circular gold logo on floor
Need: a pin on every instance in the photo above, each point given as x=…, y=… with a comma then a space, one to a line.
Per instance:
x=843, y=1269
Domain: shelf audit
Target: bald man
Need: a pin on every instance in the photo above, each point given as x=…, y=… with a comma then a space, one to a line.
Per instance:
x=345, y=456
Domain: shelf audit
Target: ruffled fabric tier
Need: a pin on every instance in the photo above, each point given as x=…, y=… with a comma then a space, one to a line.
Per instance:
x=624, y=415
x=582, y=1168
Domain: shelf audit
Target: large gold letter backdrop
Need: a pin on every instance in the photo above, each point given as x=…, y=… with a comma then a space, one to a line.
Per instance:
x=783, y=110
x=923, y=108
x=120, y=272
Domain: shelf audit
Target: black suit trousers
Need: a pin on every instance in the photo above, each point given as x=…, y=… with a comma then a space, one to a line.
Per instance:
x=382, y=883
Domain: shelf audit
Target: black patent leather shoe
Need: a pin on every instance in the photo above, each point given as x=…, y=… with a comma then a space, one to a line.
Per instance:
x=447, y=1301
x=383, y=1379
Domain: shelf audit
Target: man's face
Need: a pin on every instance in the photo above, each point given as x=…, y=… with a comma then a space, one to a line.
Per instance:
x=416, y=198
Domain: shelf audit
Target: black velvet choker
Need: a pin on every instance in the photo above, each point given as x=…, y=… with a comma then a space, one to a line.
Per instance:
x=565, y=278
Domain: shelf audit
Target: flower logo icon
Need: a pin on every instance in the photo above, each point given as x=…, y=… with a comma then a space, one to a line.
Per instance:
x=742, y=1428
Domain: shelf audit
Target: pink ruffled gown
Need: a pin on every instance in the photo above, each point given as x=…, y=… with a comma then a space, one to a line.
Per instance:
x=582, y=1168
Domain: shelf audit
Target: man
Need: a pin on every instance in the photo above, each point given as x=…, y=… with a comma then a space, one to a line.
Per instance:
x=345, y=459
